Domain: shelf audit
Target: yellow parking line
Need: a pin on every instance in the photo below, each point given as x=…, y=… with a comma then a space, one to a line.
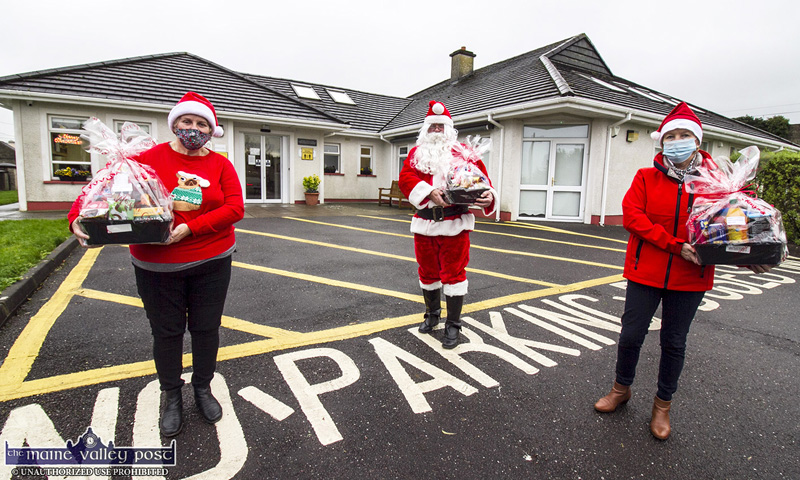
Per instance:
x=512, y=252
x=545, y=228
x=231, y=323
x=393, y=256
x=258, y=347
x=26, y=348
x=331, y=282
x=549, y=240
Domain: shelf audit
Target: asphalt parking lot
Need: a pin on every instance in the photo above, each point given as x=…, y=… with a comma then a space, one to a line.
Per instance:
x=322, y=373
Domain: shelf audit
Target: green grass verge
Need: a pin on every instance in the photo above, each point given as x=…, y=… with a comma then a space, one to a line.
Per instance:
x=8, y=196
x=24, y=243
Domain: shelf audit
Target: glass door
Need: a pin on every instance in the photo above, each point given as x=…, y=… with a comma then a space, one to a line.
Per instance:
x=262, y=168
x=552, y=172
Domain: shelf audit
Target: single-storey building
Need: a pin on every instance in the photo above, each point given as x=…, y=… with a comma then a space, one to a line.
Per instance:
x=567, y=134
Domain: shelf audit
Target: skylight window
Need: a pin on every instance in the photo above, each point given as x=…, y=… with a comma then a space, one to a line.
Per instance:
x=605, y=84
x=340, y=97
x=303, y=91
x=646, y=95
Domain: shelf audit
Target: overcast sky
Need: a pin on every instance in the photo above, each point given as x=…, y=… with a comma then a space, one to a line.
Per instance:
x=733, y=57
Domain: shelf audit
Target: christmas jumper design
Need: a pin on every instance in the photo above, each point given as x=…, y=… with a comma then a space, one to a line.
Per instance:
x=188, y=195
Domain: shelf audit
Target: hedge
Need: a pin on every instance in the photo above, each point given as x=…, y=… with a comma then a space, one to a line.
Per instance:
x=778, y=182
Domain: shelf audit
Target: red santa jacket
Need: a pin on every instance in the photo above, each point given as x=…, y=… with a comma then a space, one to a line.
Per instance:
x=416, y=186
x=654, y=211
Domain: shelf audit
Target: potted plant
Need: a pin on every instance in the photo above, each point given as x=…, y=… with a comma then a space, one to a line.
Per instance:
x=366, y=171
x=330, y=169
x=311, y=185
x=70, y=174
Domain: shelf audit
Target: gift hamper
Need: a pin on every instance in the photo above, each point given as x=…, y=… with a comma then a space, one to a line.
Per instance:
x=465, y=180
x=126, y=202
x=729, y=224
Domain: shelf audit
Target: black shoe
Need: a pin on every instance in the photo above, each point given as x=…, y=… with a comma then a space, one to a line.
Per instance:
x=451, y=335
x=172, y=416
x=433, y=310
x=209, y=407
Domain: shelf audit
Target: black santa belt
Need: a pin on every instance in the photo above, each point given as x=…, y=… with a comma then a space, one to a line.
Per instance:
x=437, y=214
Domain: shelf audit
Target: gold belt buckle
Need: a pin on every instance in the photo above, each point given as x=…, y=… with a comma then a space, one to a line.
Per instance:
x=438, y=213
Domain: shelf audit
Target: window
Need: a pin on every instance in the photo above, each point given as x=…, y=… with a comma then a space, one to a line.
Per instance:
x=340, y=97
x=555, y=131
x=66, y=146
x=332, y=155
x=118, y=125
x=365, y=162
x=605, y=84
x=403, y=156
x=303, y=91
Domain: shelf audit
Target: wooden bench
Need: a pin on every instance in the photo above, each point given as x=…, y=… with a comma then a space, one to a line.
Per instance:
x=393, y=192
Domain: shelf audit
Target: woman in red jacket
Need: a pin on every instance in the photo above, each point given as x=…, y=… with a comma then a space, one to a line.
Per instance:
x=185, y=280
x=660, y=265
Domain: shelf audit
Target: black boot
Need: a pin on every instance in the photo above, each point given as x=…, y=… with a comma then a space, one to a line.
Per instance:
x=433, y=310
x=172, y=416
x=452, y=327
x=209, y=407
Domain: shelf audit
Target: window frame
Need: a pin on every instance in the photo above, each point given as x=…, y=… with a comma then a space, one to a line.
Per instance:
x=80, y=165
x=305, y=91
x=338, y=155
x=369, y=156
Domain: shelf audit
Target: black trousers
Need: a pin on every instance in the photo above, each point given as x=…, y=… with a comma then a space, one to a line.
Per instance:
x=678, y=310
x=173, y=300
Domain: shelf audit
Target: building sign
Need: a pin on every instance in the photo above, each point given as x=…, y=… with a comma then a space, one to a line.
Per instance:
x=306, y=154
x=307, y=142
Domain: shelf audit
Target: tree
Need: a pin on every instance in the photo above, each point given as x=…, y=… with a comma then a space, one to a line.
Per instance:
x=777, y=125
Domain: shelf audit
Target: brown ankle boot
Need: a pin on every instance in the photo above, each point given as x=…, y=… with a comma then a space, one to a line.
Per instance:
x=659, y=424
x=619, y=394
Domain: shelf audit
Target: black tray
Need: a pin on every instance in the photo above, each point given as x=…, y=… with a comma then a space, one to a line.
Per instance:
x=739, y=253
x=128, y=232
x=463, y=196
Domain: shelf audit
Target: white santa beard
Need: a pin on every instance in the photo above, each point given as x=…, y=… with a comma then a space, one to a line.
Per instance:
x=434, y=153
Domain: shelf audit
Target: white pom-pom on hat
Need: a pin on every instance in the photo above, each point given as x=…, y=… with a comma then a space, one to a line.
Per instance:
x=437, y=113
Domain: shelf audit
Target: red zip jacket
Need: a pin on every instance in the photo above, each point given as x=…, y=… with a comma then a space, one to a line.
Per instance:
x=220, y=206
x=654, y=211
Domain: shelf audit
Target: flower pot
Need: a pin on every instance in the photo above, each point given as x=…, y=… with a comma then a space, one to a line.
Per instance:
x=67, y=178
x=312, y=198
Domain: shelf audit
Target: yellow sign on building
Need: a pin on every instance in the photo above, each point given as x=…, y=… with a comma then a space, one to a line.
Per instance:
x=306, y=154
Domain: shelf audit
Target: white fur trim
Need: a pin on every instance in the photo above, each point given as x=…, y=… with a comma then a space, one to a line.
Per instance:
x=443, y=119
x=693, y=127
x=446, y=228
x=419, y=195
x=431, y=287
x=194, y=108
x=456, y=289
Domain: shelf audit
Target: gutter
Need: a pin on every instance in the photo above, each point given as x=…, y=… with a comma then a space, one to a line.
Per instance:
x=499, y=181
x=613, y=130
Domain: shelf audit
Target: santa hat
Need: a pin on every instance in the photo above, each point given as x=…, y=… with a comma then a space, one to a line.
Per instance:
x=195, y=104
x=680, y=117
x=437, y=113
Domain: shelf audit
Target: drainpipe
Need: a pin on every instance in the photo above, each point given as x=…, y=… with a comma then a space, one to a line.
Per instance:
x=499, y=179
x=613, y=130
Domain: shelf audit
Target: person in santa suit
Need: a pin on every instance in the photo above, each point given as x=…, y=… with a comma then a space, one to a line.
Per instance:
x=660, y=264
x=184, y=282
x=441, y=230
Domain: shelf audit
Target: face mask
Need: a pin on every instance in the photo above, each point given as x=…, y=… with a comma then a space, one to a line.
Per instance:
x=679, y=150
x=192, y=139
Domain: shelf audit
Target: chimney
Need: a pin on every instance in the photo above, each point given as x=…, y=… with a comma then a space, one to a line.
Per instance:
x=461, y=64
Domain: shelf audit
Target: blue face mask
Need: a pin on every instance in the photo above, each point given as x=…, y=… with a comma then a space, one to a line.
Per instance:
x=679, y=150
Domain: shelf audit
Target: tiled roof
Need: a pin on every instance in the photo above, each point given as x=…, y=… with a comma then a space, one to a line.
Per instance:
x=525, y=78
x=370, y=112
x=164, y=79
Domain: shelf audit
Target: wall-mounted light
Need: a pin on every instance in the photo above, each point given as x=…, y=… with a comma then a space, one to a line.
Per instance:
x=632, y=136
x=265, y=128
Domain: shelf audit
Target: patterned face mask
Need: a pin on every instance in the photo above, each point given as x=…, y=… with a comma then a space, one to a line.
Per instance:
x=192, y=138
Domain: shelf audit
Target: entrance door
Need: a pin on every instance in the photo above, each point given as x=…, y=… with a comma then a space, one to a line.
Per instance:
x=262, y=168
x=553, y=171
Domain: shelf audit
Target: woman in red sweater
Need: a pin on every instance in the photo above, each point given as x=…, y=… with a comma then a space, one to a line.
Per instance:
x=660, y=265
x=185, y=280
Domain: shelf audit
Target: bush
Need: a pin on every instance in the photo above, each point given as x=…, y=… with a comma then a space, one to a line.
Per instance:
x=311, y=184
x=779, y=184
